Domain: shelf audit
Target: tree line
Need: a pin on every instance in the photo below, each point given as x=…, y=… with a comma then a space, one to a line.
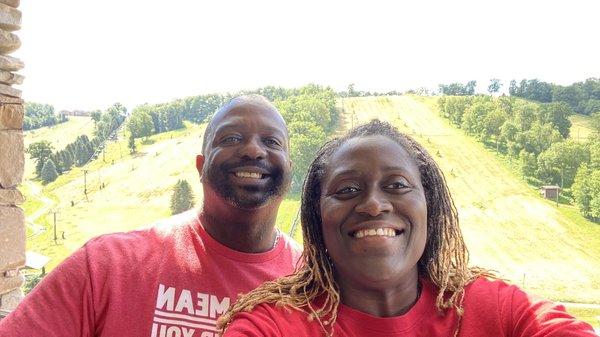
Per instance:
x=582, y=97
x=537, y=135
x=309, y=112
x=49, y=164
x=38, y=115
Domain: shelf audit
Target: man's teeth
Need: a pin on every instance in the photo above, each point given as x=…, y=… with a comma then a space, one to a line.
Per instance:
x=375, y=232
x=252, y=175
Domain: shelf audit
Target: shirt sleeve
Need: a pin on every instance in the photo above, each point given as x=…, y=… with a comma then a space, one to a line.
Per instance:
x=256, y=323
x=59, y=306
x=534, y=317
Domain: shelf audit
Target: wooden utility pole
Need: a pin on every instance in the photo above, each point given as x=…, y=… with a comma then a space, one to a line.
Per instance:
x=85, y=183
x=55, y=236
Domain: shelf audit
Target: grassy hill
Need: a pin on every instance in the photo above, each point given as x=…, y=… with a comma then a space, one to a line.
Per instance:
x=125, y=192
x=59, y=135
x=508, y=227
x=549, y=250
x=581, y=129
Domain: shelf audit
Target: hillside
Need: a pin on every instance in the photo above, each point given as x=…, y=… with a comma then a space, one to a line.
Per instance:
x=581, y=129
x=59, y=135
x=550, y=251
x=137, y=190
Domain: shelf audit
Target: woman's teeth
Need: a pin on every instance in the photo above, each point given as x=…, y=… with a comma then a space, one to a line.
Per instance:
x=375, y=232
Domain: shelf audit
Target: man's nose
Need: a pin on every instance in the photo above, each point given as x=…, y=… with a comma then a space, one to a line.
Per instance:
x=253, y=149
x=374, y=203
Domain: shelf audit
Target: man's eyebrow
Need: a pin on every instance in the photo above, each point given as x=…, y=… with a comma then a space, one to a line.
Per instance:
x=232, y=125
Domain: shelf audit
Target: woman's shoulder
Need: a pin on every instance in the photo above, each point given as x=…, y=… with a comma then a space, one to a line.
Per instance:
x=270, y=320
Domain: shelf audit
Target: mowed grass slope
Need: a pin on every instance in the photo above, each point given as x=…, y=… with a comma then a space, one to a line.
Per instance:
x=581, y=128
x=59, y=135
x=551, y=251
x=126, y=192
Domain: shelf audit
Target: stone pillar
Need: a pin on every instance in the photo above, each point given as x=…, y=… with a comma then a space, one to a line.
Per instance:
x=12, y=160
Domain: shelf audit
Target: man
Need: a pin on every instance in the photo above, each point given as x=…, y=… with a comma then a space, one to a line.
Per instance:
x=177, y=278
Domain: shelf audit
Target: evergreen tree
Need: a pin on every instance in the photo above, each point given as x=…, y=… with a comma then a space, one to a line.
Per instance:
x=40, y=152
x=183, y=198
x=131, y=144
x=49, y=173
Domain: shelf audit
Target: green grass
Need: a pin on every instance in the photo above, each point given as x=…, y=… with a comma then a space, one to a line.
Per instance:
x=551, y=251
x=581, y=129
x=127, y=191
x=589, y=315
x=59, y=135
x=508, y=227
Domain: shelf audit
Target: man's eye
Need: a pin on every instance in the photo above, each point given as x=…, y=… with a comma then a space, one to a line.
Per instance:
x=231, y=139
x=272, y=142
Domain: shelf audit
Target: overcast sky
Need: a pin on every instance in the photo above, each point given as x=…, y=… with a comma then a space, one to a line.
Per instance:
x=83, y=54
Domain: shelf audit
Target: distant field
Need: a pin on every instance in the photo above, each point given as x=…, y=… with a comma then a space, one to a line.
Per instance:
x=581, y=130
x=59, y=135
x=550, y=251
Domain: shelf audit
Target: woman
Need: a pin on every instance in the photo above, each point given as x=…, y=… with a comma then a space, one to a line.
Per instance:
x=384, y=256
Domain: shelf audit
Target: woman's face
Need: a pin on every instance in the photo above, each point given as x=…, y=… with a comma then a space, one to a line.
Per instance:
x=374, y=214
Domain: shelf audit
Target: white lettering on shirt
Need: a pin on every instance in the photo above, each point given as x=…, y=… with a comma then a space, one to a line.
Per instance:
x=177, y=315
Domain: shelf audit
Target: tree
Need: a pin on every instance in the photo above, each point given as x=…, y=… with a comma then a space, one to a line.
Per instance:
x=528, y=163
x=306, y=139
x=49, y=173
x=96, y=115
x=182, y=198
x=31, y=281
x=351, y=91
x=494, y=86
x=140, y=123
x=40, y=151
x=558, y=114
x=586, y=191
x=131, y=144
x=559, y=163
x=38, y=115
x=595, y=122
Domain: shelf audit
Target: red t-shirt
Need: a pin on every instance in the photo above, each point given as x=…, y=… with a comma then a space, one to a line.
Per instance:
x=492, y=308
x=172, y=280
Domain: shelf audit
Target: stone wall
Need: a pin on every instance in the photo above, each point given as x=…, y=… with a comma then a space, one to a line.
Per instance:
x=12, y=160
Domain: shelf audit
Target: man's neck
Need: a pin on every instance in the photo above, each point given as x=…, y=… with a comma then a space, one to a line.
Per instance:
x=249, y=231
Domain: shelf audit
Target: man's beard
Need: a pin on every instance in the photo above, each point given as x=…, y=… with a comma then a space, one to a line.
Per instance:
x=248, y=197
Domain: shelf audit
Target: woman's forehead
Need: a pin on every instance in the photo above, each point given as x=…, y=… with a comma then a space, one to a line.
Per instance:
x=369, y=153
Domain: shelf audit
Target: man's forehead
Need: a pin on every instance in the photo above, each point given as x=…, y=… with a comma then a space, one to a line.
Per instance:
x=238, y=116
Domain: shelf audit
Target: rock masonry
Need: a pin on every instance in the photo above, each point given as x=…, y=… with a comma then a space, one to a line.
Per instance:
x=12, y=160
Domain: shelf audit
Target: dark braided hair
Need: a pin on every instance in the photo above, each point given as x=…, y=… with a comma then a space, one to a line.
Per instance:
x=444, y=261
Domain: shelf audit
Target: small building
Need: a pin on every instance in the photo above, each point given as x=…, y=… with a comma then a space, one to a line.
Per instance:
x=550, y=191
x=36, y=261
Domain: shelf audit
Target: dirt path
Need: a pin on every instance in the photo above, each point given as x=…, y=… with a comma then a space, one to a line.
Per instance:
x=47, y=205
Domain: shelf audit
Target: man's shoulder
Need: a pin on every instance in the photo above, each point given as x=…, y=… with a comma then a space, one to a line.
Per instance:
x=154, y=235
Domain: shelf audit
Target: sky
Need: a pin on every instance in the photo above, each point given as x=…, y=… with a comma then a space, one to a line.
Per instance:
x=87, y=55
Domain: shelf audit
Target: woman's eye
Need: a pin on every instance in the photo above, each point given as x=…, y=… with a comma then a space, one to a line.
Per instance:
x=347, y=190
x=397, y=185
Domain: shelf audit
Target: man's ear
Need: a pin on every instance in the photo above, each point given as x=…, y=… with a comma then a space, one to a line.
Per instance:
x=199, y=164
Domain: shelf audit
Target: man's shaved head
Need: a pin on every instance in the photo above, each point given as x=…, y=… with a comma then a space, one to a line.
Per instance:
x=234, y=103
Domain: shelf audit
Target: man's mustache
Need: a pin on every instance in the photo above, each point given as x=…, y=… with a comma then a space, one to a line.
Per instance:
x=261, y=164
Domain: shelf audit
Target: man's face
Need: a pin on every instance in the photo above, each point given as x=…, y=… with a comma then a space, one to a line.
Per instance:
x=246, y=161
